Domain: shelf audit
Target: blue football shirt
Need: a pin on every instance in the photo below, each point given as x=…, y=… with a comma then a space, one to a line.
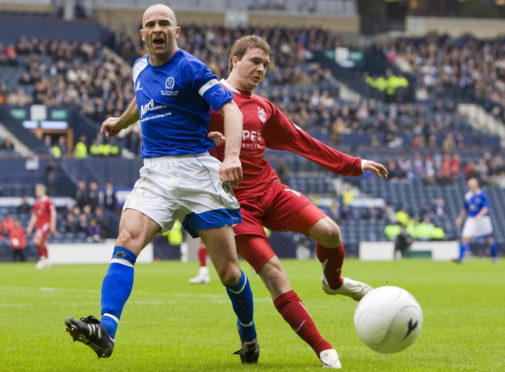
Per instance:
x=174, y=102
x=475, y=202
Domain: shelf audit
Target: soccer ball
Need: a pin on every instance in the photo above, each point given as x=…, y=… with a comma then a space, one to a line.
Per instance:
x=388, y=319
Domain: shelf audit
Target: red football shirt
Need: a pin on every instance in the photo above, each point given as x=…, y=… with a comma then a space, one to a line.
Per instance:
x=43, y=209
x=265, y=125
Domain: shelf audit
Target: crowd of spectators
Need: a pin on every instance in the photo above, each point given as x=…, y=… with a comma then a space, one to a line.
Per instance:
x=464, y=67
x=67, y=79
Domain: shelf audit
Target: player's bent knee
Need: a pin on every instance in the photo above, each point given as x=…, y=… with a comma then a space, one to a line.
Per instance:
x=126, y=240
x=331, y=236
x=229, y=275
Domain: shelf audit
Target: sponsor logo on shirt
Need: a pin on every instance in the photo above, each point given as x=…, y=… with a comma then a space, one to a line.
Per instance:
x=149, y=106
x=251, y=139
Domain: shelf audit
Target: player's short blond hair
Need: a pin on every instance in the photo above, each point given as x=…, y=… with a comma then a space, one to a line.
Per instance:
x=242, y=45
x=41, y=186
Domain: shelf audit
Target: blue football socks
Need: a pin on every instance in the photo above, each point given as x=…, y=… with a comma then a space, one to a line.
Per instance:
x=116, y=288
x=242, y=300
x=494, y=252
x=462, y=249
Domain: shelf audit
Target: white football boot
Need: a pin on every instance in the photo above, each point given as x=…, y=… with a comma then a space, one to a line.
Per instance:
x=329, y=358
x=351, y=288
x=43, y=263
x=203, y=276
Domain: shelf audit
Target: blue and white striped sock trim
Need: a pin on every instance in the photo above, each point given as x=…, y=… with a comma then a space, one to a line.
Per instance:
x=250, y=324
x=113, y=317
x=121, y=261
x=242, y=288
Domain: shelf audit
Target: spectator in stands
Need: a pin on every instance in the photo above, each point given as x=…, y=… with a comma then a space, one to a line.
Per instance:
x=81, y=195
x=51, y=176
x=93, y=231
x=71, y=225
x=17, y=240
x=347, y=194
x=81, y=148
x=403, y=242
x=93, y=195
x=25, y=205
x=7, y=224
x=108, y=197
x=101, y=221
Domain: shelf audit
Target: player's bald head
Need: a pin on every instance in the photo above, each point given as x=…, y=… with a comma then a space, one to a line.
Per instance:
x=159, y=10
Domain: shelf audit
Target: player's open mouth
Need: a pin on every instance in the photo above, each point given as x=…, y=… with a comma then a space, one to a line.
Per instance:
x=158, y=41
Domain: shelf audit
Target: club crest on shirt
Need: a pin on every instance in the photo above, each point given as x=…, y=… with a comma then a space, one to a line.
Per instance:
x=262, y=115
x=169, y=87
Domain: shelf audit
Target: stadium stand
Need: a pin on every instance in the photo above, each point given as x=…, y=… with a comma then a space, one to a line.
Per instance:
x=90, y=80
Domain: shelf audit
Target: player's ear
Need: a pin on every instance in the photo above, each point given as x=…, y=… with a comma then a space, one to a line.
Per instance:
x=177, y=32
x=142, y=34
x=234, y=60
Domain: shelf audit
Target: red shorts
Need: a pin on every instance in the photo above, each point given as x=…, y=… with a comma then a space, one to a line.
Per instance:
x=280, y=209
x=42, y=233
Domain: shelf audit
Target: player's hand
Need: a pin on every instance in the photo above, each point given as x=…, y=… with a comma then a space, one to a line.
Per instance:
x=53, y=230
x=111, y=127
x=458, y=222
x=376, y=168
x=231, y=171
x=477, y=217
x=217, y=137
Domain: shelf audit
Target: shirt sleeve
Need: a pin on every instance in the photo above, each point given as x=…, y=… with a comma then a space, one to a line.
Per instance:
x=206, y=84
x=485, y=201
x=282, y=134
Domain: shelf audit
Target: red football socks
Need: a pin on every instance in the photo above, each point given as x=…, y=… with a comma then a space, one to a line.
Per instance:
x=332, y=259
x=292, y=310
x=42, y=249
x=202, y=256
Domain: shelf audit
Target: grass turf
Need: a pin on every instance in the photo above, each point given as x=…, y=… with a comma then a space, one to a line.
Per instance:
x=169, y=325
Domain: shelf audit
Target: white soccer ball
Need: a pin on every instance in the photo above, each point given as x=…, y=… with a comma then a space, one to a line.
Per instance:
x=388, y=319
x=15, y=242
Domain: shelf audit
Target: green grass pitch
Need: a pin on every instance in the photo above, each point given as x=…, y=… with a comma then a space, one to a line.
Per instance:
x=169, y=325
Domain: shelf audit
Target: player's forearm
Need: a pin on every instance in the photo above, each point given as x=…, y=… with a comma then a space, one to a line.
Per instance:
x=233, y=124
x=483, y=212
x=31, y=224
x=130, y=115
x=53, y=222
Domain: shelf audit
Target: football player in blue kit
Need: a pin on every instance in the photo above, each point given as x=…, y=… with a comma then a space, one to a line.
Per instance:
x=174, y=92
x=478, y=223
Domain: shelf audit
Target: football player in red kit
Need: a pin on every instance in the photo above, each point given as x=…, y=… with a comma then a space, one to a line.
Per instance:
x=44, y=218
x=203, y=276
x=265, y=201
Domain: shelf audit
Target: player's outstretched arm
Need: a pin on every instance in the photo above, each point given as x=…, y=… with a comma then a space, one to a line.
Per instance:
x=376, y=168
x=231, y=169
x=31, y=224
x=113, y=125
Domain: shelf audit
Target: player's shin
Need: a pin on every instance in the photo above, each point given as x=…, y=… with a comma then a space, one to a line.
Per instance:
x=463, y=247
x=494, y=252
x=116, y=288
x=242, y=300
